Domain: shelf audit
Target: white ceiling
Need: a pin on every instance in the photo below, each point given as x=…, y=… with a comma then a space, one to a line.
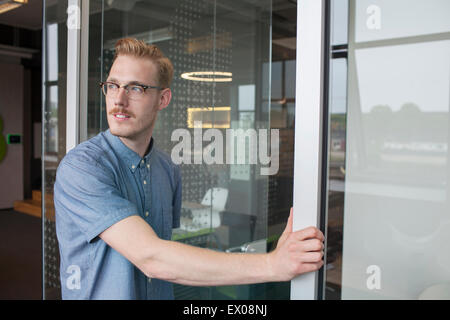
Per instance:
x=28, y=16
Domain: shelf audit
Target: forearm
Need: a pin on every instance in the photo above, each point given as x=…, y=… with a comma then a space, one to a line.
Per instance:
x=188, y=265
x=296, y=253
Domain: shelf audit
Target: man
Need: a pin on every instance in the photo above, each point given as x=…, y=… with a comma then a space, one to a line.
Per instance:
x=117, y=198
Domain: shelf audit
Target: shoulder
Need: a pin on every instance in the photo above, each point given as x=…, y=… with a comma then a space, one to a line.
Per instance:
x=90, y=156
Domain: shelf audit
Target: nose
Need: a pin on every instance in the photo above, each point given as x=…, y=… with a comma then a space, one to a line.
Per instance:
x=121, y=98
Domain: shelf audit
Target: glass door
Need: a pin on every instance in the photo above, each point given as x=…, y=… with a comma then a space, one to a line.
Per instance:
x=221, y=55
x=387, y=204
x=233, y=90
x=53, y=134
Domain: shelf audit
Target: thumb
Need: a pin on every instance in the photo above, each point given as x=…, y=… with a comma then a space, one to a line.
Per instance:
x=286, y=231
x=289, y=224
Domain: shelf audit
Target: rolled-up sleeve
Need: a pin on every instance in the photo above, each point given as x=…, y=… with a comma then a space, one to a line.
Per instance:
x=86, y=197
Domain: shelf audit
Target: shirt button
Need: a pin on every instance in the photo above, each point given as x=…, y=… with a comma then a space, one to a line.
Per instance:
x=146, y=213
x=148, y=166
x=149, y=280
x=132, y=167
x=142, y=161
x=145, y=182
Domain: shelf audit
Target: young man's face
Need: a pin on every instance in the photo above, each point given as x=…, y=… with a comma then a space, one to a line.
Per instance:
x=134, y=118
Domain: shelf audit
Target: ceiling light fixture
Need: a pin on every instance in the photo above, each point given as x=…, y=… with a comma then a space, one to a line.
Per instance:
x=148, y=37
x=199, y=76
x=211, y=117
x=6, y=5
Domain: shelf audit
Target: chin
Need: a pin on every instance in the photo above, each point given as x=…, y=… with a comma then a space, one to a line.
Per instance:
x=132, y=131
x=121, y=132
x=127, y=133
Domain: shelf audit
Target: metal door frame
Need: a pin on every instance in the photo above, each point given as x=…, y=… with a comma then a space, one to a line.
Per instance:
x=310, y=131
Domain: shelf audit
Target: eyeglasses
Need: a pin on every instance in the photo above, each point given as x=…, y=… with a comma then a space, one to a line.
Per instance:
x=133, y=91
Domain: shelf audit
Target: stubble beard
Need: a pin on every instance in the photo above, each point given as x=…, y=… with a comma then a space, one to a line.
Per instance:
x=131, y=134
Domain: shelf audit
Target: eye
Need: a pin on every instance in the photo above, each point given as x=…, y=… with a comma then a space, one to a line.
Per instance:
x=136, y=89
x=112, y=86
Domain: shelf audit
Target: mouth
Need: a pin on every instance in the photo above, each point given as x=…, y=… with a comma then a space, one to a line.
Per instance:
x=121, y=116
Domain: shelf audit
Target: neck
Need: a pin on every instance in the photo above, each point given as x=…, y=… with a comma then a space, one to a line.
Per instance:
x=139, y=145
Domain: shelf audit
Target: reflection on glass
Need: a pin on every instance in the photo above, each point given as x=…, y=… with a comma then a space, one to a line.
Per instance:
x=224, y=205
x=277, y=75
x=396, y=184
x=289, y=79
x=54, y=120
x=387, y=19
x=228, y=207
x=246, y=97
x=336, y=176
x=52, y=52
x=394, y=217
x=340, y=22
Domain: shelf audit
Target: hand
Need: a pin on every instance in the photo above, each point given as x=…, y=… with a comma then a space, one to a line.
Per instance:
x=297, y=252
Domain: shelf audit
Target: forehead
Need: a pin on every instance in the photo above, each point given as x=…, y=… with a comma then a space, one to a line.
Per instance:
x=128, y=68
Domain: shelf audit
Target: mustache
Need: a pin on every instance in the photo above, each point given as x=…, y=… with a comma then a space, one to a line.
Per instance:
x=118, y=110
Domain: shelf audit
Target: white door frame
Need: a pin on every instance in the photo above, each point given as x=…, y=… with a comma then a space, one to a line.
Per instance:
x=77, y=72
x=308, y=130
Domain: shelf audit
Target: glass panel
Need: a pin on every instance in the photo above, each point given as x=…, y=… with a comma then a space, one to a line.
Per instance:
x=54, y=119
x=214, y=36
x=389, y=19
x=340, y=22
x=336, y=176
x=389, y=223
x=248, y=209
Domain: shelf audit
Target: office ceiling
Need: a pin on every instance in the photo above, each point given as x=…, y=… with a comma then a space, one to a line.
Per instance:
x=28, y=16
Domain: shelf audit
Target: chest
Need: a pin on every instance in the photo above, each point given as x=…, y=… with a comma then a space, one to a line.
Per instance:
x=148, y=187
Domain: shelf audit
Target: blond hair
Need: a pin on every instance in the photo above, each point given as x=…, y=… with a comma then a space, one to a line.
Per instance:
x=140, y=49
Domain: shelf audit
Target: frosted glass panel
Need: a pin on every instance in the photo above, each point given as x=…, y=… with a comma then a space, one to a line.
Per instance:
x=388, y=19
x=396, y=228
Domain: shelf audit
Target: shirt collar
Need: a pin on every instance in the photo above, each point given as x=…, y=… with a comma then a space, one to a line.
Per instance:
x=130, y=157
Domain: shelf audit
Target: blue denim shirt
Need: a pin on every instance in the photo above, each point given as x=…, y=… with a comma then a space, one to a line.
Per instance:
x=99, y=183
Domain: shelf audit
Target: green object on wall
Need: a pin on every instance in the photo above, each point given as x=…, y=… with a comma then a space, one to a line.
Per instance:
x=14, y=139
x=2, y=141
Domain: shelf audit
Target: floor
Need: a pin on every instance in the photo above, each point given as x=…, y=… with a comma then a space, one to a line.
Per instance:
x=20, y=256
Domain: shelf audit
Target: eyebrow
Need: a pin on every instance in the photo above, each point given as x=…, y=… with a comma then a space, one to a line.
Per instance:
x=129, y=83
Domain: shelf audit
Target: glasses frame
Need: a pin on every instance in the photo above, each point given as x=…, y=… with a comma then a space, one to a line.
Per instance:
x=126, y=87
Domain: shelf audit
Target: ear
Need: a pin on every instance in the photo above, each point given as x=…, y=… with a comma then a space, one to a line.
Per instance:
x=166, y=96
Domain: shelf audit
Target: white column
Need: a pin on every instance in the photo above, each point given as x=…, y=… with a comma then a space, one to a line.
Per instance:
x=77, y=78
x=73, y=73
x=308, y=118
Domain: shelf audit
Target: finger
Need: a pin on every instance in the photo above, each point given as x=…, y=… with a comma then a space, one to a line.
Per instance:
x=312, y=257
x=312, y=245
x=310, y=233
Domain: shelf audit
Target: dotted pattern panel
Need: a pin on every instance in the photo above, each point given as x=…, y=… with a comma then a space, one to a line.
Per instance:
x=192, y=49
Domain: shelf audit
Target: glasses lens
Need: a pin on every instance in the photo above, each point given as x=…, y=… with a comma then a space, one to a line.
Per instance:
x=110, y=88
x=135, y=92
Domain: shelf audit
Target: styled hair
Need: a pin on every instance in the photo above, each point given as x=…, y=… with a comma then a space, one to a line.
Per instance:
x=140, y=49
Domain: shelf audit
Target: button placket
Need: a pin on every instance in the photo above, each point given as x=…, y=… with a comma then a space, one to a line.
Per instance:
x=146, y=177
